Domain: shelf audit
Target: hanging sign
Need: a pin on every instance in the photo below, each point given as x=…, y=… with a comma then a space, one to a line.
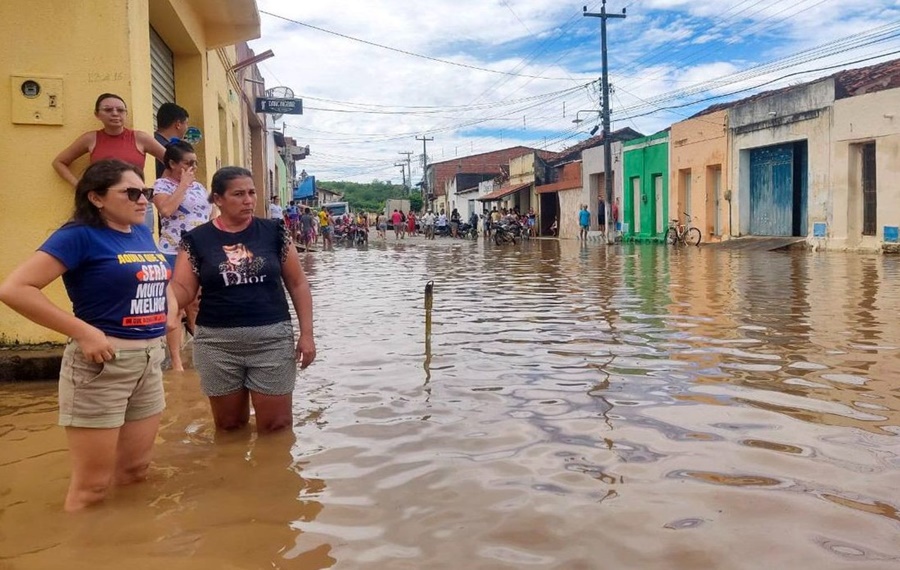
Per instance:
x=278, y=106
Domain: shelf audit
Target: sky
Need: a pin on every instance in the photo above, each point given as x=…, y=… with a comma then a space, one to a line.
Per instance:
x=482, y=75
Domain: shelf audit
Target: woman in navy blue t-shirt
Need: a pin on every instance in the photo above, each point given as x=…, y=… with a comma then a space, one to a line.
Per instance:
x=110, y=383
x=244, y=347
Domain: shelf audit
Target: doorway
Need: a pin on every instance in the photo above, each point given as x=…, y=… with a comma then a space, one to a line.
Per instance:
x=549, y=212
x=635, y=218
x=778, y=190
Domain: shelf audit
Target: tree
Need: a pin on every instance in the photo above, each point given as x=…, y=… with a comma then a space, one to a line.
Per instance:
x=370, y=197
x=415, y=201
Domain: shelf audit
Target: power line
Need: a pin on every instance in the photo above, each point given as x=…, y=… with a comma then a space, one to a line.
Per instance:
x=692, y=56
x=763, y=84
x=437, y=110
x=410, y=53
x=843, y=45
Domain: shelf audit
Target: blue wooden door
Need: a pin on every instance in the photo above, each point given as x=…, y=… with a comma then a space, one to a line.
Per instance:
x=772, y=191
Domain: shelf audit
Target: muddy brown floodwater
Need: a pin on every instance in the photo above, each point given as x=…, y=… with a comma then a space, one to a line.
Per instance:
x=572, y=408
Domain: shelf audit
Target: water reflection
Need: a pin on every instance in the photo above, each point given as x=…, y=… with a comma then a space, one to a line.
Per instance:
x=559, y=396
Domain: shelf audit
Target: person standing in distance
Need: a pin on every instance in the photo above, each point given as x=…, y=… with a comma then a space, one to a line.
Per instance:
x=276, y=212
x=584, y=222
x=244, y=349
x=325, y=227
x=615, y=215
x=428, y=224
x=397, y=220
x=307, y=223
x=110, y=381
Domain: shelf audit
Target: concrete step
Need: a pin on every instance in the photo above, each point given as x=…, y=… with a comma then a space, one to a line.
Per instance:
x=21, y=364
x=761, y=243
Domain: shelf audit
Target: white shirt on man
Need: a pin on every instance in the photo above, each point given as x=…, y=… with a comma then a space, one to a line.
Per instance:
x=275, y=211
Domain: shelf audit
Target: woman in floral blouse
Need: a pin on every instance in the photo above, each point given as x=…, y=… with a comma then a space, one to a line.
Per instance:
x=183, y=204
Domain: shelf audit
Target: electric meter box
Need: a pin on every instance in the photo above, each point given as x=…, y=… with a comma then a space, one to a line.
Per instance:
x=37, y=99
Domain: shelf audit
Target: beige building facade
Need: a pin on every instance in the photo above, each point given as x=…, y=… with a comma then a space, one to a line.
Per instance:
x=594, y=178
x=699, y=169
x=865, y=172
x=781, y=161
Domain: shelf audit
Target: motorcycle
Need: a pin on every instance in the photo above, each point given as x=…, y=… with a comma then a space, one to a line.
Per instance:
x=340, y=234
x=349, y=235
x=503, y=234
x=516, y=229
x=468, y=231
x=361, y=237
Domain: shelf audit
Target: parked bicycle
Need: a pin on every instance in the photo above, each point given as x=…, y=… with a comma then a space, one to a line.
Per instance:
x=685, y=234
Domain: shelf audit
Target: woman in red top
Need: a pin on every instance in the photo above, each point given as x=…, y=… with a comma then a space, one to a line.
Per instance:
x=114, y=140
x=411, y=224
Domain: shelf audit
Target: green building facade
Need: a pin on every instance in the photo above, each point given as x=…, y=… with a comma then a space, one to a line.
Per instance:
x=646, y=192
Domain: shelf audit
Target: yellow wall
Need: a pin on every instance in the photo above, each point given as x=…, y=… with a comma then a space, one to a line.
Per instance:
x=96, y=46
x=699, y=146
x=56, y=39
x=521, y=171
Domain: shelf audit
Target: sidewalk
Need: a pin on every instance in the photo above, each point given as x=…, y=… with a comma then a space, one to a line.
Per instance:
x=26, y=364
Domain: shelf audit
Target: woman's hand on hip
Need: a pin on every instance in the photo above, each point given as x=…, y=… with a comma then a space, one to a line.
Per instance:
x=306, y=350
x=95, y=346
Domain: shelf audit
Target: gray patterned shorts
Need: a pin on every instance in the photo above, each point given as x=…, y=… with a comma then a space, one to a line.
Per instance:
x=260, y=359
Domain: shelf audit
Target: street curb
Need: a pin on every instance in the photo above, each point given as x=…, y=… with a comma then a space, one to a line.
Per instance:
x=20, y=365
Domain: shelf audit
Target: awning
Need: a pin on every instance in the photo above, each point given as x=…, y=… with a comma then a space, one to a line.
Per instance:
x=558, y=186
x=306, y=188
x=502, y=192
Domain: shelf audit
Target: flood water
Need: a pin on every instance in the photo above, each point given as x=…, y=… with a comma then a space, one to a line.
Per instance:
x=573, y=407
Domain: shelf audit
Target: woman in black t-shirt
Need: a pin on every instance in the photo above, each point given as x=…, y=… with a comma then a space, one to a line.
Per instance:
x=244, y=345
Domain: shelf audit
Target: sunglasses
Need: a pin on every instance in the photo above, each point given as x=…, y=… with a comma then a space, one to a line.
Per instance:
x=134, y=194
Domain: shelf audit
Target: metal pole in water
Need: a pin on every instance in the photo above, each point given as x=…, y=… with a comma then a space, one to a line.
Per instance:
x=429, y=301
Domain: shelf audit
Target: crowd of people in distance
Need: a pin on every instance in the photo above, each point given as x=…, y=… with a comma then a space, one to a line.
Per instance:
x=402, y=223
x=528, y=220
x=306, y=226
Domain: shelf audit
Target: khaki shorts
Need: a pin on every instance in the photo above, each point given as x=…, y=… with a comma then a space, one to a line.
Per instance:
x=124, y=389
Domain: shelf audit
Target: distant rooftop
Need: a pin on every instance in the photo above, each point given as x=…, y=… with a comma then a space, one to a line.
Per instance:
x=574, y=151
x=847, y=83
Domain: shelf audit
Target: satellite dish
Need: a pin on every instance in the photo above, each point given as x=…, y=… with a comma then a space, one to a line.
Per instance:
x=280, y=92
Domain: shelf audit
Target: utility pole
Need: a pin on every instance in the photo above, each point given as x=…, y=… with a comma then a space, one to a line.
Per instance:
x=402, y=166
x=607, y=151
x=425, y=193
x=408, y=154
